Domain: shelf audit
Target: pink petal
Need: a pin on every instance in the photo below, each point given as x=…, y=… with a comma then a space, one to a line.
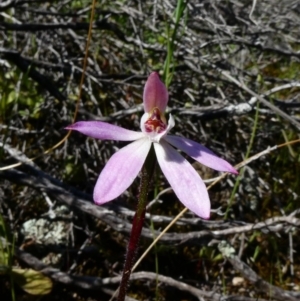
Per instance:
x=183, y=178
x=155, y=94
x=200, y=153
x=121, y=170
x=104, y=131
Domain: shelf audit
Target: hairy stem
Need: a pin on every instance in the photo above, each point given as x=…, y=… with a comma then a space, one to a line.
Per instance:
x=138, y=221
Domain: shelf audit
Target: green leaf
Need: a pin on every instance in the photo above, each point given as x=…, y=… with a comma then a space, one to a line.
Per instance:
x=11, y=97
x=4, y=256
x=32, y=282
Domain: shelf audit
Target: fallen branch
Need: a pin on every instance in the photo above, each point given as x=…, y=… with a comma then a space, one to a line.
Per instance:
x=261, y=285
x=96, y=283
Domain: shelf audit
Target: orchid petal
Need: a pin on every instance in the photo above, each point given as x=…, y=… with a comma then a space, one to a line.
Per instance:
x=104, y=131
x=144, y=118
x=155, y=94
x=121, y=170
x=171, y=123
x=185, y=181
x=200, y=153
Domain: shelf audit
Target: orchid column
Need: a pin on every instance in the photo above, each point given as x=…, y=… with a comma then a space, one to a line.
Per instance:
x=153, y=140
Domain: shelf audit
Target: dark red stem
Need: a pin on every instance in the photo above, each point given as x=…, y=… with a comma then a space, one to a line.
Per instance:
x=138, y=222
x=137, y=226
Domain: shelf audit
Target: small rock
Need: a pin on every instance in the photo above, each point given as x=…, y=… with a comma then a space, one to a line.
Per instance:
x=237, y=281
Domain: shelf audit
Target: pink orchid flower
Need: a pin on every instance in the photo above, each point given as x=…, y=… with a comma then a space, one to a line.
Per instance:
x=123, y=167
